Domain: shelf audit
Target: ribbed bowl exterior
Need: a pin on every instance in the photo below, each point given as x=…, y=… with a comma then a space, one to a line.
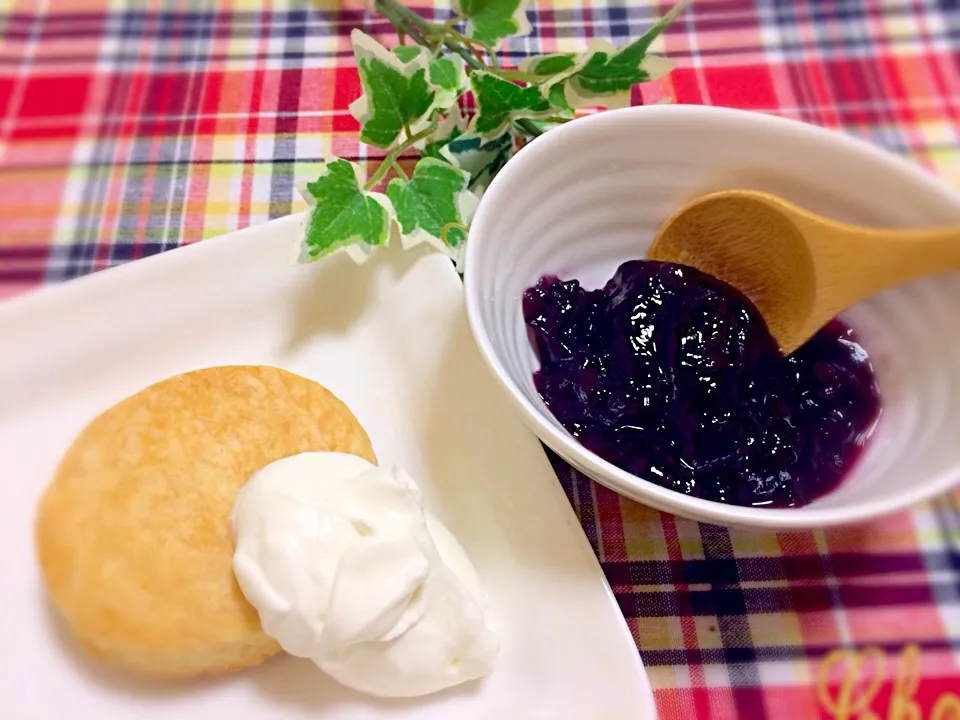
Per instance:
x=589, y=195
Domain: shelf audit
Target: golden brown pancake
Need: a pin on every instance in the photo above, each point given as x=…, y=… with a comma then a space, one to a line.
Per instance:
x=133, y=534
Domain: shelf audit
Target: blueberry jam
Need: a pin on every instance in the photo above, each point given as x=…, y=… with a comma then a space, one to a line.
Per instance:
x=672, y=375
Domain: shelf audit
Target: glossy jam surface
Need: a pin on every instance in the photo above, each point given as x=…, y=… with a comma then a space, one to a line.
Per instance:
x=672, y=375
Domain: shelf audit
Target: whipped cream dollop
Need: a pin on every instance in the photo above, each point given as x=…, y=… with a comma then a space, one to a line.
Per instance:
x=346, y=568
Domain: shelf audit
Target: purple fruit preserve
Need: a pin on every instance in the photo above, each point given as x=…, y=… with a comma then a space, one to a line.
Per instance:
x=672, y=375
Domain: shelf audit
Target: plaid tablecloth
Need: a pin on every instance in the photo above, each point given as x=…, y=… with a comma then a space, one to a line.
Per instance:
x=129, y=128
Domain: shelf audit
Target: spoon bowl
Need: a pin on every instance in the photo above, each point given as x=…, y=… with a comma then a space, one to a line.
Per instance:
x=798, y=268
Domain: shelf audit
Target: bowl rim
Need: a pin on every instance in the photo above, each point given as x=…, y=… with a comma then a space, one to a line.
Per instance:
x=606, y=473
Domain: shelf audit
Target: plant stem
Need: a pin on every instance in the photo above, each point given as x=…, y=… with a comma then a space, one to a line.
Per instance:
x=475, y=47
x=399, y=170
x=391, y=158
x=454, y=20
x=451, y=226
x=409, y=20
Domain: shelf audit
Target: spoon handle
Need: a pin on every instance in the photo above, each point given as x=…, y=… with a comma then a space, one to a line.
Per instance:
x=859, y=262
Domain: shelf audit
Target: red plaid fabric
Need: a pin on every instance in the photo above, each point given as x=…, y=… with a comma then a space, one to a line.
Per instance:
x=129, y=128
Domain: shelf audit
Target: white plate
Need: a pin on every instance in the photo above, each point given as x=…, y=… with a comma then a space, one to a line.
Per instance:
x=390, y=339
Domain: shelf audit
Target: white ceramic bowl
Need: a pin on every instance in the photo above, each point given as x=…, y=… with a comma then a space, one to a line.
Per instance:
x=589, y=195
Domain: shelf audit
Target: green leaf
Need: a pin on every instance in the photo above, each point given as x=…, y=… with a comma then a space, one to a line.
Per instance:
x=434, y=206
x=500, y=102
x=546, y=65
x=490, y=21
x=450, y=127
x=553, y=71
x=396, y=93
x=608, y=74
x=646, y=40
x=448, y=72
x=467, y=151
x=407, y=53
x=603, y=74
x=343, y=214
x=481, y=159
x=448, y=77
x=557, y=97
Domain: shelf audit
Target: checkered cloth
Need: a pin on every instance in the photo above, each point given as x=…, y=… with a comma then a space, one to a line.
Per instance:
x=129, y=128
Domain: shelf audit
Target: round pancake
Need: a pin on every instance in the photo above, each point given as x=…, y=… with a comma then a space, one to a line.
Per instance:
x=133, y=534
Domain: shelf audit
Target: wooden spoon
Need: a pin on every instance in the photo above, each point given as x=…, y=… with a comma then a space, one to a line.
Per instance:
x=798, y=268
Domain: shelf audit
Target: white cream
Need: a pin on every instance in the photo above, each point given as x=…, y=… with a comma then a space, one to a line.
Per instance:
x=346, y=568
